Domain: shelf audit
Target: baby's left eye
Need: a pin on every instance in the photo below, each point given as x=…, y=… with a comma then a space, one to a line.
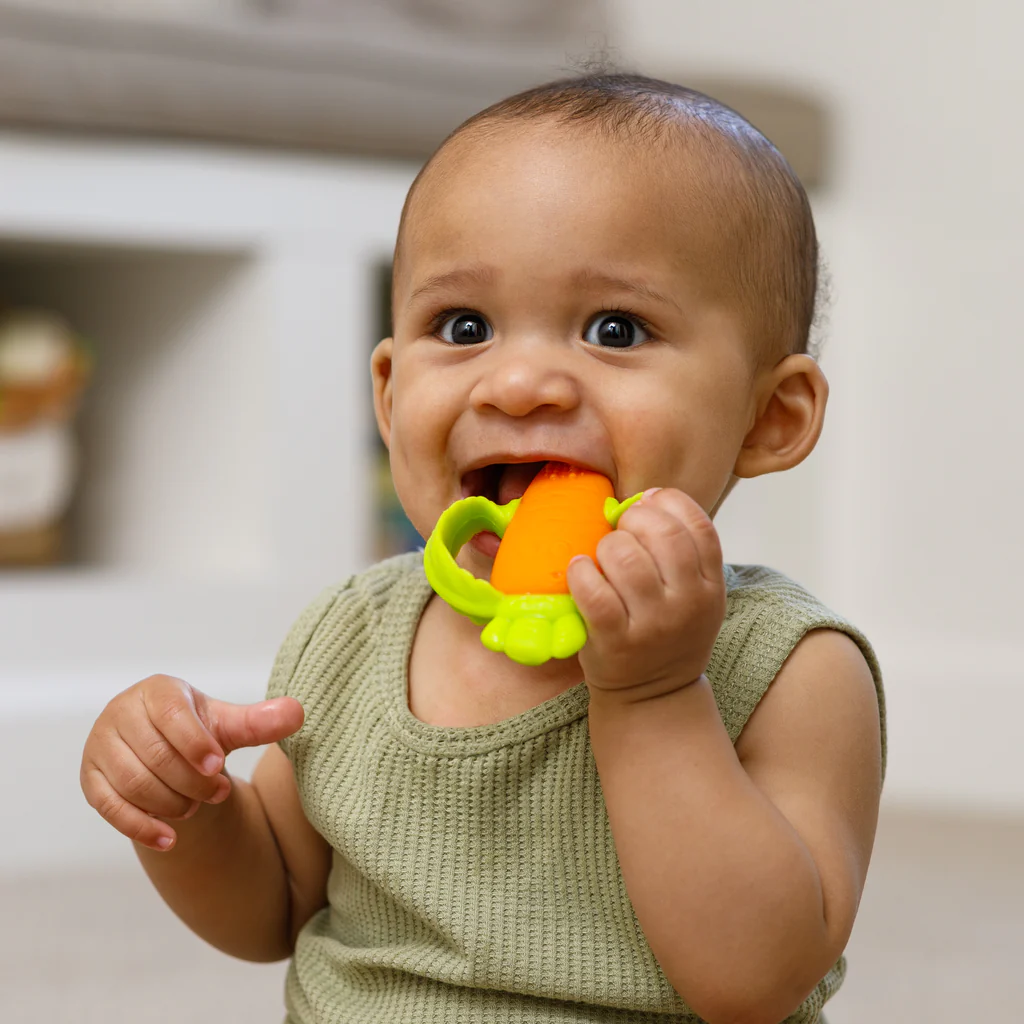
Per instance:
x=615, y=330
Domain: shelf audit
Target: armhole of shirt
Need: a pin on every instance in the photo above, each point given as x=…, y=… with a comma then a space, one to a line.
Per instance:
x=769, y=614
x=305, y=664
x=294, y=646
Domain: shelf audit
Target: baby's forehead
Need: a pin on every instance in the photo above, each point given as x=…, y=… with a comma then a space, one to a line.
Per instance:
x=571, y=186
x=677, y=163
x=674, y=165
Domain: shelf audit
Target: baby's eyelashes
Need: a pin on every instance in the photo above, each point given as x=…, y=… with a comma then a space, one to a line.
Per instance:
x=612, y=329
x=618, y=329
x=462, y=327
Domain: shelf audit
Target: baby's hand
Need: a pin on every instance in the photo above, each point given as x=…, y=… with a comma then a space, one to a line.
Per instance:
x=157, y=751
x=653, y=617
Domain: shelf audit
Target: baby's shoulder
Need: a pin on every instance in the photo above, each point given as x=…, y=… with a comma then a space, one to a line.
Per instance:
x=748, y=585
x=763, y=604
x=767, y=615
x=343, y=621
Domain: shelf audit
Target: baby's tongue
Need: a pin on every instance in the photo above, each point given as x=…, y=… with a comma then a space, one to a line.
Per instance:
x=515, y=479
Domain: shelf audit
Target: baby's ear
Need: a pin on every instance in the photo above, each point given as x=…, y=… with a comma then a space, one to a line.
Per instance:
x=790, y=410
x=380, y=369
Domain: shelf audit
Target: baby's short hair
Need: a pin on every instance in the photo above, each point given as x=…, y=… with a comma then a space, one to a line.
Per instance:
x=764, y=217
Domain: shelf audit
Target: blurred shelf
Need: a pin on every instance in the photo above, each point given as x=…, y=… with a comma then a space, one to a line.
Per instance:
x=230, y=299
x=66, y=630
x=178, y=397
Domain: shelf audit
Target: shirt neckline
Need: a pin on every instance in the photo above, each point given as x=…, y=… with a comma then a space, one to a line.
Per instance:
x=400, y=618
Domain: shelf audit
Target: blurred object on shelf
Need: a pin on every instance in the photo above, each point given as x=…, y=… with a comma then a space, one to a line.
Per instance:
x=44, y=368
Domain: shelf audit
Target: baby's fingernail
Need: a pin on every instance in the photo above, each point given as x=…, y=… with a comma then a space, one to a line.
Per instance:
x=650, y=491
x=211, y=764
x=222, y=793
x=164, y=842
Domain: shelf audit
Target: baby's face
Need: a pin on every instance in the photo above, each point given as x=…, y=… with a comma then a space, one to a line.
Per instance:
x=559, y=299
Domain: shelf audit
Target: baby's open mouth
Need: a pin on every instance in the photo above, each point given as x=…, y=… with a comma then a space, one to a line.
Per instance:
x=501, y=482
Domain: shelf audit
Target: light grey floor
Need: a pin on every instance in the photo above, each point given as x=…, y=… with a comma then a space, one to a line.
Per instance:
x=939, y=939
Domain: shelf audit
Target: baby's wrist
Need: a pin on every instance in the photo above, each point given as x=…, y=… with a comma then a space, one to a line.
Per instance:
x=642, y=692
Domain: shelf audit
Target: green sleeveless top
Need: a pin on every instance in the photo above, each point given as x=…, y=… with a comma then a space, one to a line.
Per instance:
x=474, y=876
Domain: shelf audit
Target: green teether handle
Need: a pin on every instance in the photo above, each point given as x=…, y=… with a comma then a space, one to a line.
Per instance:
x=613, y=509
x=460, y=521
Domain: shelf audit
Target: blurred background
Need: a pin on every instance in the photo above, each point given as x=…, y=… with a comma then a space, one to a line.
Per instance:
x=197, y=206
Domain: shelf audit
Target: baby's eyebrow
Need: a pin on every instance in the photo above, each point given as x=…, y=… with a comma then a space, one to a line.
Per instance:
x=482, y=275
x=478, y=275
x=595, y=278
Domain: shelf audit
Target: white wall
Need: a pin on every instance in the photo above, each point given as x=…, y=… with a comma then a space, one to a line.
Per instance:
x=918, y=480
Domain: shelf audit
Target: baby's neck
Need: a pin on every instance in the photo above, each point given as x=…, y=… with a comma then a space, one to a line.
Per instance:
x=455, y=681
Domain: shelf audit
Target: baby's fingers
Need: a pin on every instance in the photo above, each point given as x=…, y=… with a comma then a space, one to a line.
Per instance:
x=696, y=525
x=170, y=705
x=145, y=767
x=599, y=603
x=128, y=819
x=153, y=776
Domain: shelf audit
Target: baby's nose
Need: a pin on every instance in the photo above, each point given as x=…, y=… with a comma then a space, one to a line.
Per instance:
x=521, y=382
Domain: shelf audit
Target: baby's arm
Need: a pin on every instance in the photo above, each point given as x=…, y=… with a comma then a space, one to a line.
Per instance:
x=246, y=869
x=247, y=874
x=744, y=864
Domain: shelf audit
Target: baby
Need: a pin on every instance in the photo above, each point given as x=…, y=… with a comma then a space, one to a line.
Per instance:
x=617, y=273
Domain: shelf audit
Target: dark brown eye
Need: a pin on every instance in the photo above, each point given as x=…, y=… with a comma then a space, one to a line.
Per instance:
x=615, y=330
x=465, y=329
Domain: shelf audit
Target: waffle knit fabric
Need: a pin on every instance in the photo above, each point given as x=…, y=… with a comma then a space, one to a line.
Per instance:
x=474, y=877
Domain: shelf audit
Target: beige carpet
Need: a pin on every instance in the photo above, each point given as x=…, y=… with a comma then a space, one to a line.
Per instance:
x=939, y=940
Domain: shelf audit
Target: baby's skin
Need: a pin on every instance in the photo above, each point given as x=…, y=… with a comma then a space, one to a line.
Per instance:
x=566, y=296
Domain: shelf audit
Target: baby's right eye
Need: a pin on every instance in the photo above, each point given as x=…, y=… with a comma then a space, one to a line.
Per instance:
x=463, y=328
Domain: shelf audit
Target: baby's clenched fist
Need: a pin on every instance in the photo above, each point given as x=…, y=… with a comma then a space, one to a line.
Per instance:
x=157, y=752
x=655, y=607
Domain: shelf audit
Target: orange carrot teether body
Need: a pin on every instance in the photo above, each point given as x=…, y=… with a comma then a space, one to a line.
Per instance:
x=561, y=515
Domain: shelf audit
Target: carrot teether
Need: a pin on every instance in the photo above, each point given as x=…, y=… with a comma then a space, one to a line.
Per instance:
x=526, y=609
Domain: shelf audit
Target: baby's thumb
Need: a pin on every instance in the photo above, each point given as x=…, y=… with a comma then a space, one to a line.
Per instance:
x=253, y=725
